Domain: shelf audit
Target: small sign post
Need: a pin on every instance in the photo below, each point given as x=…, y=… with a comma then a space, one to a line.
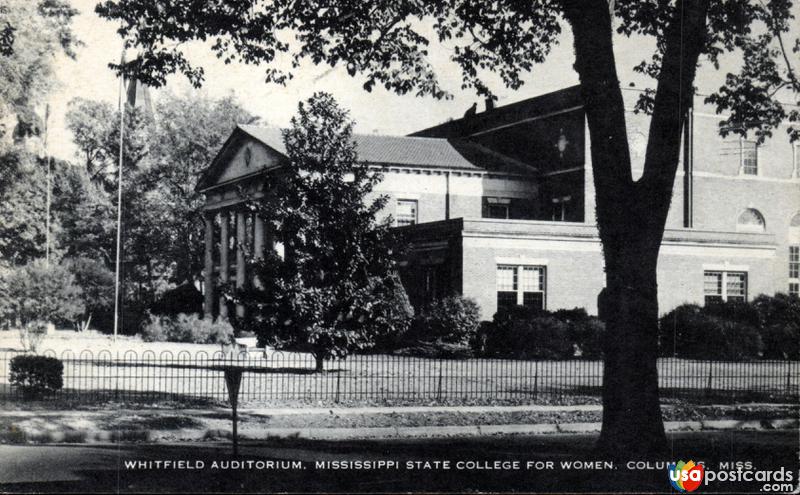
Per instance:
x=233, y=379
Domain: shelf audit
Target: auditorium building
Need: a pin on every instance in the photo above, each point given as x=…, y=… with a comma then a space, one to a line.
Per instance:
x=499, y=206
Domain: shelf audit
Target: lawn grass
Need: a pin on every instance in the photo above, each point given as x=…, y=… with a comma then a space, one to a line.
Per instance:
x=96, y=369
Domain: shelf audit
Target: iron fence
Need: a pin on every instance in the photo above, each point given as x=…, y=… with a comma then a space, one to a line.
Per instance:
x=283, y=377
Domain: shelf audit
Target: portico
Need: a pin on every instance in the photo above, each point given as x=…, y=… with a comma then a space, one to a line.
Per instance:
x=234, y=233
x=248, y=242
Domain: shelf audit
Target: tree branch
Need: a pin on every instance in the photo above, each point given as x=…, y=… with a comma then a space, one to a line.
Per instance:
x=684, y=40
x=605, y=110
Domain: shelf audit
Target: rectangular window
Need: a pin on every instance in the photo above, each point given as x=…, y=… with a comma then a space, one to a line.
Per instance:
x=521, y=285
x=794, y=261
x=749, y=157
x=794, y=289
x=406, y=212
x=724, y=286
x=496, y=207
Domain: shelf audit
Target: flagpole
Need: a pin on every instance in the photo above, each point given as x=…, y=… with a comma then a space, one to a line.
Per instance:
x=119, y=198
x=49, y=187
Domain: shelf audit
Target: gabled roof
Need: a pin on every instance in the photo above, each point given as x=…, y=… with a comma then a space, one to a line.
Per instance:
x=400, y=151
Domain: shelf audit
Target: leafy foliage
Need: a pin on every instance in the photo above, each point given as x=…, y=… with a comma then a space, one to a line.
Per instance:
x=36, y=375
x=96, y=282
x=452, y=320
x=393, y=316
x=189, y=328
x=31, y=32
x=321, y=295
x=689, y=331
x=388, y=43
x=32, y=334
x=165, y=154
x=37, y=292
x=765, y=327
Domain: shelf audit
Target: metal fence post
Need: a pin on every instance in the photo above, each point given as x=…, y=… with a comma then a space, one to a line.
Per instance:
x=710, y=377
x=788, y=378
x=338, y=382
x=439, y=386
x=535, y=378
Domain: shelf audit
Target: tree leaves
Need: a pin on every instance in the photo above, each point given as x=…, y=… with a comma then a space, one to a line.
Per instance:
x=337, y=257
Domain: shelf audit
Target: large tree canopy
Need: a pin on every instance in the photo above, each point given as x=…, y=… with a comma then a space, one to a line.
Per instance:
x=31, y=34
x=387, y=42
x=164, y=155
x=319, y=296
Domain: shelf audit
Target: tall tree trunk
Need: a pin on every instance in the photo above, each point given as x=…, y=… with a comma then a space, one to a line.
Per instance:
x=632, y=423
x=631, y=215
x=319, y=360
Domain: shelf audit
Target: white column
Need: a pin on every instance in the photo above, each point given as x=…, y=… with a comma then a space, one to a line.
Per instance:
x=224, y=261
x=208, y=268
x=241, y=239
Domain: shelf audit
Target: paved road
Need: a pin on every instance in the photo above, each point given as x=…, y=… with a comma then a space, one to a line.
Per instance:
x=291, y=465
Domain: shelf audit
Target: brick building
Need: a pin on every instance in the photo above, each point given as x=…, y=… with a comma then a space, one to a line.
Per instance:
x=499, y=206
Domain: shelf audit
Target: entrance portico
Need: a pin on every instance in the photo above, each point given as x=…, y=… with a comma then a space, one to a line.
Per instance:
x=234, y=233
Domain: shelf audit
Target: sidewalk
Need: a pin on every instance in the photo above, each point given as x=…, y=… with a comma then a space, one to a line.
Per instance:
x=192, y=425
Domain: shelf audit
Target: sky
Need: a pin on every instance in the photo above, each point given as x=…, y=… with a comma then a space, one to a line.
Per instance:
x=88, y=76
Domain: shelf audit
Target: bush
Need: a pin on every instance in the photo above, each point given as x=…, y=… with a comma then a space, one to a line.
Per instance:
x=393, y=316
x=437, y=350
x=97, y=289
x=690, y=332
x=32, y=334
x=188, y=328
x=451, y=320
x=182, y=299
x=781, y=341
x=36, y=375
x=35, y=292
x=588, y=335
x=524, y=333
x=780, y=309
x=735, y=311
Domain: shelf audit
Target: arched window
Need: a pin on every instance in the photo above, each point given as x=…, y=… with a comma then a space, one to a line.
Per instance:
x=750, y=220
x=795, y=222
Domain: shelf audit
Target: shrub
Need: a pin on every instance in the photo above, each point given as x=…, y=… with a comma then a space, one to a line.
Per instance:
x=780, y=309
x=97, y=288
x=735, y=311
x=36, y=292
x=188, y=328
x=451, y=320
x=781, y=341
x=437, y=350
x=182, y=299
x=393, y=316
x=690, y=332
x=524, y=333
x=36, y=375
x=32, y=334
x=588, y=335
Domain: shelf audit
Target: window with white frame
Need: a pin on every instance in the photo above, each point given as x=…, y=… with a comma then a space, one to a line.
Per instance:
x=749, y=157
x=794, y=268
x=719, y=286
x=406, y=213
x=494, y=207
x=522, y=285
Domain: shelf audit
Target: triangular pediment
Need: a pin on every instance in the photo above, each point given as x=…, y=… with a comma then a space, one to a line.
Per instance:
x=241, y=158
